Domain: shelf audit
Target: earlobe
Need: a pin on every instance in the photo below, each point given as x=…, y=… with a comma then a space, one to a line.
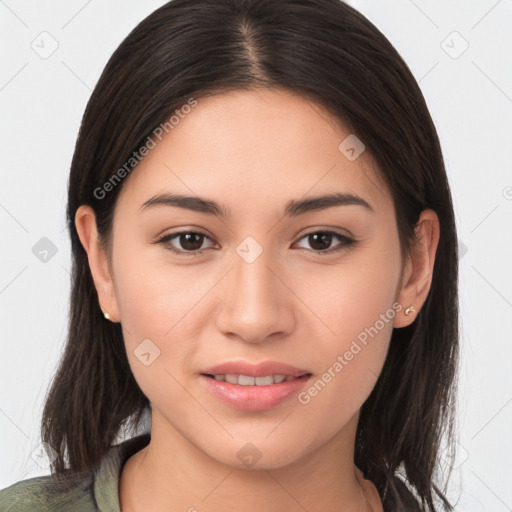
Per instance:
x=85, y=222
x=419, y=269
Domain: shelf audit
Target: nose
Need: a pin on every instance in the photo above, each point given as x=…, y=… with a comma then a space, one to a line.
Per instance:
x=255, y=301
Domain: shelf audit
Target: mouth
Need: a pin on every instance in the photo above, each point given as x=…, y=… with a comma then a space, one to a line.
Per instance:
x=253, y=393
x=249, y=380
x=244, y=370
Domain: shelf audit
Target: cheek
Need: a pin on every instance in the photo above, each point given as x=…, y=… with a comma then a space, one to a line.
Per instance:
x=159, y=307
x=350, y=365
x=154, y=296
x=353, y=295
x=159, y=329
x=353, y=323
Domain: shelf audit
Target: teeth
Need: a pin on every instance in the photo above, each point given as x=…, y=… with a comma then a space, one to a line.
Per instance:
x=232, y=379
x=264, y=381
x=247, y=380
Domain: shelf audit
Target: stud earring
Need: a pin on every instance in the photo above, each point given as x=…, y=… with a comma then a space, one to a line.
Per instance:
x=410, y=310
x=107, y=316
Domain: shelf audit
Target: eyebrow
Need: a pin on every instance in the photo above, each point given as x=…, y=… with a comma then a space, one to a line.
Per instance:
x=293, y=208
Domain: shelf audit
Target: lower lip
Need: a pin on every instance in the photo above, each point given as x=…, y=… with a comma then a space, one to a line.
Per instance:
x=254, y=398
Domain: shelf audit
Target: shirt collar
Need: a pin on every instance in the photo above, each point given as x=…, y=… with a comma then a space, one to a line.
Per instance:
x=106, y=480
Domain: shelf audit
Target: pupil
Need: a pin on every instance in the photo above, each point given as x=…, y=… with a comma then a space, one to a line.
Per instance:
x=325, y=240
x=190, y=245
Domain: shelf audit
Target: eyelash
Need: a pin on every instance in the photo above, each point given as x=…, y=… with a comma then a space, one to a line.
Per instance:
x=347, y=242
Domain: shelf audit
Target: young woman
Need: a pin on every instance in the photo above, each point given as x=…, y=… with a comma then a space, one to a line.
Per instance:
x=265, y=261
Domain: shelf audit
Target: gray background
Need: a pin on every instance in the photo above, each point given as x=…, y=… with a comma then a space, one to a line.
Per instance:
x=52, y=54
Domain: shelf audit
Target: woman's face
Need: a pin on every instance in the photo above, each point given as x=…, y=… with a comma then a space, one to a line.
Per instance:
x=260, y=282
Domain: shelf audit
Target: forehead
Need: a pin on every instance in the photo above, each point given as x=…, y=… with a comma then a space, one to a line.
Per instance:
x=256, y=148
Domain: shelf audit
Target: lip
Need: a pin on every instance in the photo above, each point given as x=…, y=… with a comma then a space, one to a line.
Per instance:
x=261, y=369
x=254, y=398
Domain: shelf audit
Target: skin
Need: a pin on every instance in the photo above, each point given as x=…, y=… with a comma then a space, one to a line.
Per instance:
x=253, y=152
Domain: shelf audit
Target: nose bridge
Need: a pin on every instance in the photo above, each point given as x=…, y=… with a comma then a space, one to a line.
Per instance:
x=254, y=306
x=254, y=281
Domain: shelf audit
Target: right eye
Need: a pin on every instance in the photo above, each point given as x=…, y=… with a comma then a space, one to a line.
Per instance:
x=191, y=241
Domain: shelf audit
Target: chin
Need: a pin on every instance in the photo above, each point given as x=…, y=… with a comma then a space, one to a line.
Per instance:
x=256, y=455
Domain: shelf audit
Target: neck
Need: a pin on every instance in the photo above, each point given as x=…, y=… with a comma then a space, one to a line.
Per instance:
x=171, y=474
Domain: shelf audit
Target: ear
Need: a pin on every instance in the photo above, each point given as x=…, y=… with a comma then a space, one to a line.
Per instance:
x=417, y=275
x=85, y=222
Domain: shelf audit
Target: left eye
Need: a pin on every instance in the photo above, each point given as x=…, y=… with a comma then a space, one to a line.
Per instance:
x=324, y=238
x=192, y=241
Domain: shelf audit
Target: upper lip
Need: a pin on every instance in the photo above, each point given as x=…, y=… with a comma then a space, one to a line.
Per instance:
x=261, y=369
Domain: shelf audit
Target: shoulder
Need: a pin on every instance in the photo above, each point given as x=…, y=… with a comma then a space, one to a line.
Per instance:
x=91, y=493
x=45, y=494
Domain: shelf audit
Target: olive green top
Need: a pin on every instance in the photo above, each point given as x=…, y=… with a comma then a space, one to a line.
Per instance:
x=97, y=493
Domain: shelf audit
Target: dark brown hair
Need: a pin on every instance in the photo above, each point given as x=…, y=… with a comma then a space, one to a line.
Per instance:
x=329, y=52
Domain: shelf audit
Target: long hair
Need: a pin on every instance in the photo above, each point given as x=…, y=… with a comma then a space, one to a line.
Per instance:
x=323, y=49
